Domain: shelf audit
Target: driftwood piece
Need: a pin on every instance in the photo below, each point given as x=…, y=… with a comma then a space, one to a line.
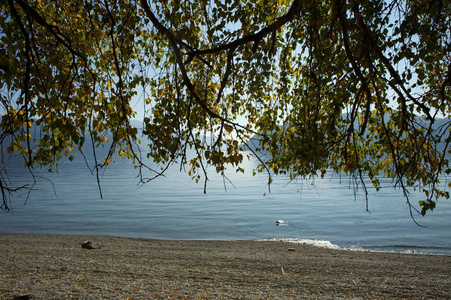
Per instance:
x=90, y=245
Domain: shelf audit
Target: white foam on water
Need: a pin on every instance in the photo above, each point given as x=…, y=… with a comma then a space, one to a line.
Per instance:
x=316, y=243
x=330, y=245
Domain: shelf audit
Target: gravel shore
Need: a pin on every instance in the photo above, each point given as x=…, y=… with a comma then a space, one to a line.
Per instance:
x=57, y=267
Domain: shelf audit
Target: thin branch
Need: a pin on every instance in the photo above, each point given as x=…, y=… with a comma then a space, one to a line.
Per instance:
x=259, y=159
x=370, y=39
x=26, y=78
x=54, y=30
x=226, y=74
x=344, y=26
x=292, y=13
x=173, y=42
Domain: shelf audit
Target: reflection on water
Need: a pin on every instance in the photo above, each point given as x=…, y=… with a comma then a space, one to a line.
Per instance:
x=174, y=207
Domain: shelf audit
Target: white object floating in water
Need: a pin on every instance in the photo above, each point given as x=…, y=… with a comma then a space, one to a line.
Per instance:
x=281, y=222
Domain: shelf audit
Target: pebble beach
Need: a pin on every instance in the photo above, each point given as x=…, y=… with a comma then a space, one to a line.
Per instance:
x=34, y=266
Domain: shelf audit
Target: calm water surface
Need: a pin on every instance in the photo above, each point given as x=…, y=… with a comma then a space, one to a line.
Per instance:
x=323, y=212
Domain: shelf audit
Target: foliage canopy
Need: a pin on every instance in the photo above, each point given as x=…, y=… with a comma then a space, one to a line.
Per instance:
x=326, y=86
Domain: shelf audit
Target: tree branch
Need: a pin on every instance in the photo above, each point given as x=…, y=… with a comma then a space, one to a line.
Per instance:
x=174, y=45
x=59, y=36
x=181, y=64
x=226, y=74
x=27, y=78
x=344, y=27
x=256, y=37
x=370, y=39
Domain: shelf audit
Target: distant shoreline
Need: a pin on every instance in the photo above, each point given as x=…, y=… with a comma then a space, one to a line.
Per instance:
x=56, y=266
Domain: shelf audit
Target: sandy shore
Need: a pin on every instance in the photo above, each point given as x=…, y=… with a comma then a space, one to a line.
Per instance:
x=56, y=267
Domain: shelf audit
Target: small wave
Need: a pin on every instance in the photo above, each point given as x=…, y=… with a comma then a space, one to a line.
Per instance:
x=316, y=243
x=408, y=249
x=416, y=247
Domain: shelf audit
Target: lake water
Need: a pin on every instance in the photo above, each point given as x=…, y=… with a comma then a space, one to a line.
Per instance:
x=322, y=212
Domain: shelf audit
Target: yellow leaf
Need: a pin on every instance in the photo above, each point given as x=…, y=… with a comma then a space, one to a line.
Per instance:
x=228, y=128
